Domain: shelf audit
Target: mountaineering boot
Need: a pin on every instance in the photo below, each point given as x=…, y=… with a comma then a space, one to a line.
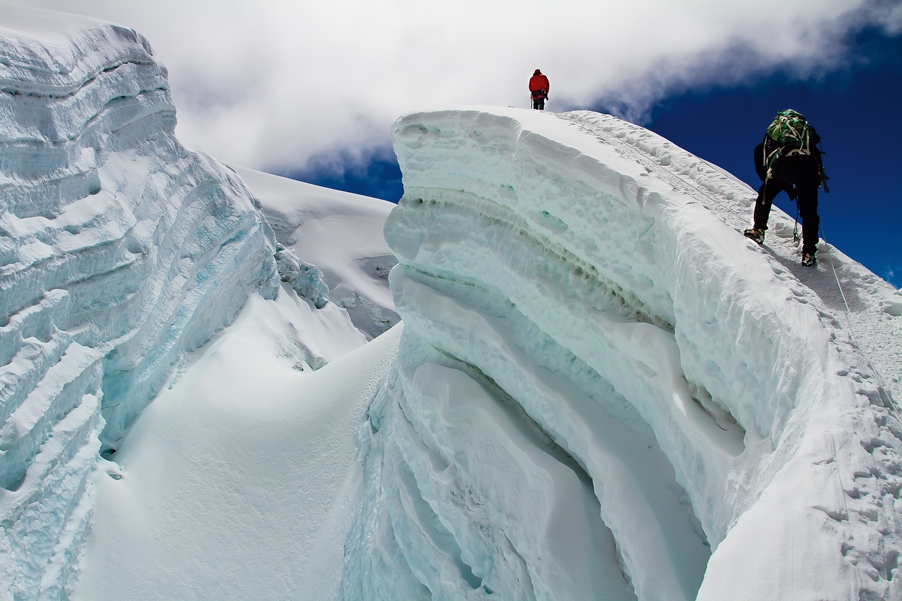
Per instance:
x=753, y=234
x=808, y=259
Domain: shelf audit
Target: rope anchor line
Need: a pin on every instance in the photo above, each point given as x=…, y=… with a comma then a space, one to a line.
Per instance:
x=884, y=396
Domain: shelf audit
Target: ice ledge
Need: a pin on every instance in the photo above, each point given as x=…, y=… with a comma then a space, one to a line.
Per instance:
x=50, y=53
x=625, y=252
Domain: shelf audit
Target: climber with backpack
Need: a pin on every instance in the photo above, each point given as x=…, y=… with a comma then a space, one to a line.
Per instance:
x=789, y=160
x=538, y=89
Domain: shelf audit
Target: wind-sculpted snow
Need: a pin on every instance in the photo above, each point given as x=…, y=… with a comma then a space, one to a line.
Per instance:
x=341, y=234
x=119, y=250
x=604, y=391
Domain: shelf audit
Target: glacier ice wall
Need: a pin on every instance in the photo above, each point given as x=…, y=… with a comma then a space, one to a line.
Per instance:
x=119, y=249
x=604, y=391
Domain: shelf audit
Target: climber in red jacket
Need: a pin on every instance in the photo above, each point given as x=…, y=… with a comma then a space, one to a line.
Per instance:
x=538, y=87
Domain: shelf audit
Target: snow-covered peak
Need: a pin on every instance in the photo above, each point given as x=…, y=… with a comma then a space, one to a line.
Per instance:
x=583, y=279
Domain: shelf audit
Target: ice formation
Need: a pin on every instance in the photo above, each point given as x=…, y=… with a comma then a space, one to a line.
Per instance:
x=603, y=391
x=305, y=279
x=240, y=479
x=119, y=250
x=341, y=234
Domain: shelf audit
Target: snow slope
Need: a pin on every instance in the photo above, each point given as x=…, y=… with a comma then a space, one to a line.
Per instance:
x=240, y=480
x=119, y=250
x=340, y=233
x=603, y=390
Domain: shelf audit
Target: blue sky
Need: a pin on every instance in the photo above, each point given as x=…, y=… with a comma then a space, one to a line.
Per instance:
x=855, y=109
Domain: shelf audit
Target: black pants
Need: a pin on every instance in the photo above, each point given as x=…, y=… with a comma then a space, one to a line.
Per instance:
x=807, y=199
x=538, y=102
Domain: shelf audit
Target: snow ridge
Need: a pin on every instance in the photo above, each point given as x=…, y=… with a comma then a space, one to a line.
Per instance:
x=119, y=250
x=580, y=286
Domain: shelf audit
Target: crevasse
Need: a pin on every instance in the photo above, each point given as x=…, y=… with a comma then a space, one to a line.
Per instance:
x=603, y=391
x=119, y=249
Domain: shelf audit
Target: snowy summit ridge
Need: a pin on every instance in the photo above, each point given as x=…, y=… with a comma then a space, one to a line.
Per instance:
x=119, y=249
x=604, y=391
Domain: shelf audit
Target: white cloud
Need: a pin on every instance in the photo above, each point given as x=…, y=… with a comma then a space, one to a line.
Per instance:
x=271, y=83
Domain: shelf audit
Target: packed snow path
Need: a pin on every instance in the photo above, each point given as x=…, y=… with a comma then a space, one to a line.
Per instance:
x=586, y=327
x=862, y=302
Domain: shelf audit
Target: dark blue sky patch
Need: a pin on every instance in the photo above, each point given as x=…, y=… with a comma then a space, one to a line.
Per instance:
x=380, y=177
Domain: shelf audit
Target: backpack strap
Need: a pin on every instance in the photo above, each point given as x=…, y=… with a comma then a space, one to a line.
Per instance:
x=769, y=157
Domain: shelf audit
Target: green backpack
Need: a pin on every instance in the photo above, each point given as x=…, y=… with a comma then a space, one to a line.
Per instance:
x=788, y=135
x=791, y=131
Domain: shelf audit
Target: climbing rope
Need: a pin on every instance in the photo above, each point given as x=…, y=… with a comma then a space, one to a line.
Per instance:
x=885, y=397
